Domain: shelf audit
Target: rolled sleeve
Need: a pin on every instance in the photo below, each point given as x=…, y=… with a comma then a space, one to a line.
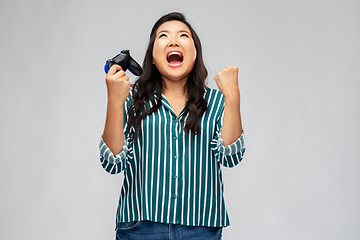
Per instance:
x=231, y=155
x=115, y=164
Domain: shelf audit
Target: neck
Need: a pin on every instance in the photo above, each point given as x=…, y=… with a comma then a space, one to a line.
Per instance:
x=174, y=88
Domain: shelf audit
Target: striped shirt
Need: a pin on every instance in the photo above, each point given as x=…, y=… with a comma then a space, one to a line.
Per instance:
x=171, y=176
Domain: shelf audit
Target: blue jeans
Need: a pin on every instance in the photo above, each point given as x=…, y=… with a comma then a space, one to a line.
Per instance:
x=147, y=230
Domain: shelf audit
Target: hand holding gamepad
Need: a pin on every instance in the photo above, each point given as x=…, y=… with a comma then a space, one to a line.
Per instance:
x=124, y=60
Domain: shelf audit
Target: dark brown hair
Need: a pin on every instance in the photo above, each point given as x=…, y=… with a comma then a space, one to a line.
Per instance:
x=150, y=82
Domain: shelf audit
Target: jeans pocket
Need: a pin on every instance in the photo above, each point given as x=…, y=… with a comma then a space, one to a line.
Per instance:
x=127, y=226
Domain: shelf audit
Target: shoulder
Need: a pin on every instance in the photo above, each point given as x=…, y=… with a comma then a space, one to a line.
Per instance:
x=213, y=96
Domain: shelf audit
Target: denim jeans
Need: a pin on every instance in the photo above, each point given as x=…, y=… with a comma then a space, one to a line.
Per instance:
x=147, y=230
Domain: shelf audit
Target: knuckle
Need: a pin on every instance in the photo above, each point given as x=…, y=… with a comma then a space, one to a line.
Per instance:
x=121, y=73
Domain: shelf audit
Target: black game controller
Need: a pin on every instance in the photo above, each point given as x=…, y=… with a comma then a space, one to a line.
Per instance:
x=124, y=60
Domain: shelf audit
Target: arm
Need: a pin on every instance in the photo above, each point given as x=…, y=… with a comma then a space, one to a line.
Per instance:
x=229, y=155
x=118, y=87
x=227, y=81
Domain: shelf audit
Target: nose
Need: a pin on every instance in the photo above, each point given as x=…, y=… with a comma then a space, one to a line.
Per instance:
x=173, y=45
x=173, y=42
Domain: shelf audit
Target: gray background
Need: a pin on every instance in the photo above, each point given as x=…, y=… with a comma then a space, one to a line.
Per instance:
x=299, y=80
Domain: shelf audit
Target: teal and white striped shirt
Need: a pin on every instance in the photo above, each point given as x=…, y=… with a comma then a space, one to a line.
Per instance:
x=171, y=176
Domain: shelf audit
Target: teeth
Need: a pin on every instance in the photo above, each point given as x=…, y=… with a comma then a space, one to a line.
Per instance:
x=171, y=53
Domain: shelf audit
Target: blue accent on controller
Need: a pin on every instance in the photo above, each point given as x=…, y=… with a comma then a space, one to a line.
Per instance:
x=106, y=67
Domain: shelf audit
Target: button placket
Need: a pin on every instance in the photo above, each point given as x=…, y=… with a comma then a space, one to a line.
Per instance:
x=176, y=137
x=176, y=157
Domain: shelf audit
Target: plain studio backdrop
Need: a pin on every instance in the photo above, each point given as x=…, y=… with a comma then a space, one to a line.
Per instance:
x=299, y=78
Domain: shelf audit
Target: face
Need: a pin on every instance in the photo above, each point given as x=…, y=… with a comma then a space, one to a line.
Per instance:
x=174, y=51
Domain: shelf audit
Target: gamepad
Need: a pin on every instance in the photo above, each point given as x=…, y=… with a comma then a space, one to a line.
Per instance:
x=124, y=60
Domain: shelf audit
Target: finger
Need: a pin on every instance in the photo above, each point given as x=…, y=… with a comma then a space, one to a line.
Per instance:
x=221, y=71
x=235, y=68
x=114, y=68
x=125, y=78
x=218, y=77
x=119, y=74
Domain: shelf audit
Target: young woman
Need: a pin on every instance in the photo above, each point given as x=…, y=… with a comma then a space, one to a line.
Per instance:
x=170, y=134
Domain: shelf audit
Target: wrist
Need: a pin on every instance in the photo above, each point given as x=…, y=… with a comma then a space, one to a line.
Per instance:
x=232, y=97
x=116, y=98
x=115, y=103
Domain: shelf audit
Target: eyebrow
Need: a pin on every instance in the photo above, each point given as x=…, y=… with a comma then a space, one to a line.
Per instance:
x=167, y=31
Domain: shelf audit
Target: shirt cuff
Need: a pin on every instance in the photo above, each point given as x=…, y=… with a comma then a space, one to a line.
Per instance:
x=234, y=148
x=107, y=154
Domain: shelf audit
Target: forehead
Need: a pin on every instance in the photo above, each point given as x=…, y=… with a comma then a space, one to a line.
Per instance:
x=173, y=26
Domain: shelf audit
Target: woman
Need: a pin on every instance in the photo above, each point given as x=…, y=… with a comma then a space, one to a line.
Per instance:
x=170, y=134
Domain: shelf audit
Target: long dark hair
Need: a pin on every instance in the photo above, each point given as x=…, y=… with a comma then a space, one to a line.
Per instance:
x=150, y=82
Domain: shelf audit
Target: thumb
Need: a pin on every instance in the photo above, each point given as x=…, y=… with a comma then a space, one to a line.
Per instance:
x=114, y=68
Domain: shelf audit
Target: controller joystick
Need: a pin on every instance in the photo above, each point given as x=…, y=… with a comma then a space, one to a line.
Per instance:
x=124, y=60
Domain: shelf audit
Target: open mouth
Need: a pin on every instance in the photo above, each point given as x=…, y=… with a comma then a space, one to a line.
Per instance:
x=175, y=59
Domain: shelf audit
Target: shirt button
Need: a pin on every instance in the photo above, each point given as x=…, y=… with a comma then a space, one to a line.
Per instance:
x=175, y=157
x=175, y=138
x=175, y=196
x=175, y=177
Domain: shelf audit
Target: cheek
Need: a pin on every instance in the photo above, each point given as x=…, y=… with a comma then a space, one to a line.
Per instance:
x=193, y=53
x=157, y=53
x=191, y=50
